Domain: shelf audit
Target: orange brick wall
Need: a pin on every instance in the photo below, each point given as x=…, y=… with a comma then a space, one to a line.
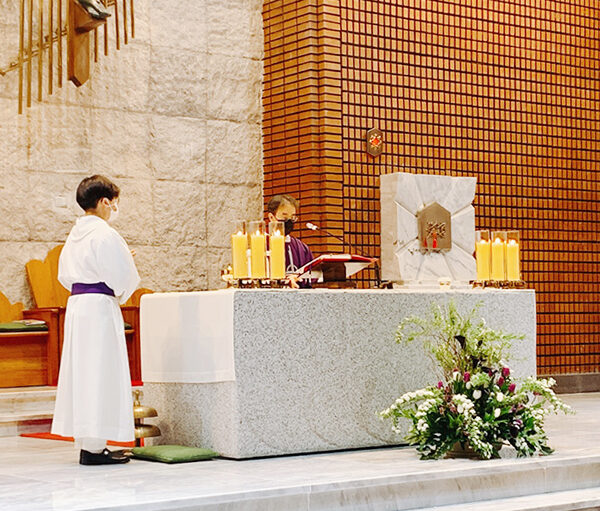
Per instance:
x=508, y=92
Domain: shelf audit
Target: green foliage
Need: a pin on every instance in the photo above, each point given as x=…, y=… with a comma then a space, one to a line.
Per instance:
x=479, y=403
x=456, y=341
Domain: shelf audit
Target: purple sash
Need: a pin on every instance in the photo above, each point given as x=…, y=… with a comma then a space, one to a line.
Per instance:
x=98, y=288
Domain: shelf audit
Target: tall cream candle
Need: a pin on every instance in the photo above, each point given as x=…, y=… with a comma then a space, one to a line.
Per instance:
x=513, y=270
x=277, y=250
x=482, y=257
x=257, y=255
x=498, y=254
x=239, y=255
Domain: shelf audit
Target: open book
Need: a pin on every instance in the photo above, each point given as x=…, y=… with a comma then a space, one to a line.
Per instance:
x=351, y=264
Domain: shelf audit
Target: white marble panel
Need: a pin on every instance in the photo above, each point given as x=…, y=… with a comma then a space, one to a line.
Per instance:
x=460, y=193
x=463, y=229
x=406, y=190
x=461, y=264
x=433, y=266
x=411, y=193
x=433, y=188
x=389, y=230
x=409, y=261
x=407, y=226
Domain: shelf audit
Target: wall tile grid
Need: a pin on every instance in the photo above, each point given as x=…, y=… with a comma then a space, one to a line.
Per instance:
x=507, y=92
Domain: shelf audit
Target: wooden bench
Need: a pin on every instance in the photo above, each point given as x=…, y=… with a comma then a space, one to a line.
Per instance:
x=27, y=357
x=50, y=295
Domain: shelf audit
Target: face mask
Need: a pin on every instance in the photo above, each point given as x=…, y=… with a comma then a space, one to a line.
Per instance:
x=114, y=212
x=288, y=225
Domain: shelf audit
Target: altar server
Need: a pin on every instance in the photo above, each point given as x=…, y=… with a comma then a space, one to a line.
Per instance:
x=93, y=400
x=284, y=208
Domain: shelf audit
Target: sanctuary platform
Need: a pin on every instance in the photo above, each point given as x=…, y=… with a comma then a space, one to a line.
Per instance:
x=253, y=373
x=43, y=475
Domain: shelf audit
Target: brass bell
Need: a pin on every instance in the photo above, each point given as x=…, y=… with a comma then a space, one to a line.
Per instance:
x=141, y=412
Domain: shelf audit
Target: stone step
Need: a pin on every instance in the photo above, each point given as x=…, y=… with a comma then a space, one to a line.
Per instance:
x=470, y=483
x=573, y=500
x=26, y=410
x=14, y=425
x=26, y=400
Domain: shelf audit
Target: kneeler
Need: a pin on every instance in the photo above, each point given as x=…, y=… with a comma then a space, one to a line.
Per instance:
x=28, y=346
x=49, y=294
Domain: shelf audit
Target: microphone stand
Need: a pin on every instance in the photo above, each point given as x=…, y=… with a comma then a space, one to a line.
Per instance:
x=314, y=227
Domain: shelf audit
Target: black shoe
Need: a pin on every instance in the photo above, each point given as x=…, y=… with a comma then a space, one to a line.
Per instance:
x=105, y=457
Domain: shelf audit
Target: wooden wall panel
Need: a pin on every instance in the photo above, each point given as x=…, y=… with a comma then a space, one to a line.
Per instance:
x=508, y=92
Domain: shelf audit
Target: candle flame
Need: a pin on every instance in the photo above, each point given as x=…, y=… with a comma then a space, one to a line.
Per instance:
x=257, y=232
x=498, y=240
x=240, y=233
x=512, y=242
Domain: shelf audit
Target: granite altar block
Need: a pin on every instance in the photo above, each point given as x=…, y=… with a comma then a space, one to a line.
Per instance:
x=253, y=373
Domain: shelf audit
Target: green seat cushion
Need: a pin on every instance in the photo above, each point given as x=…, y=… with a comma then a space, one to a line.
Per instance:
x=173, y=453
x=24, y=325
x=128, y=326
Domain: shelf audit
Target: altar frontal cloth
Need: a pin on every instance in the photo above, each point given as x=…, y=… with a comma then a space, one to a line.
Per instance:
x=187, y=337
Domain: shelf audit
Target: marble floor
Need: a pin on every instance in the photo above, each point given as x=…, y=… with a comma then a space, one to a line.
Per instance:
x=44, y=475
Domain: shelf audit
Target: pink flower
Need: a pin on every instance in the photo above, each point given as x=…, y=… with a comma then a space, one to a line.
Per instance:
x=500, y=381
x=505, y=372
x=512, y=387
x=440, y=384
x=467, y=376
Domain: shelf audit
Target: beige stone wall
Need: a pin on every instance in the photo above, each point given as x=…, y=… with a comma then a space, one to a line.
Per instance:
x=174, y=118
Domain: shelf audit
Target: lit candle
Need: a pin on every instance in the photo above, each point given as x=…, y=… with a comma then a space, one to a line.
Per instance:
x=239, y=255
x=257, y=255
x=512, y=261
x=482, y=257
x=277, y=249
x=498, y=247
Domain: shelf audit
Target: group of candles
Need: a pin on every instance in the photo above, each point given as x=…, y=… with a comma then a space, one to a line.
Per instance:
x=498, y=256
x=256, y=254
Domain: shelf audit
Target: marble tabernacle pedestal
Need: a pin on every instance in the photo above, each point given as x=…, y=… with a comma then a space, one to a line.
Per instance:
x=253, y=373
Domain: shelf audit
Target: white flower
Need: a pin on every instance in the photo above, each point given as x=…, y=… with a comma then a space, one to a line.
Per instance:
x=469, y=385
x=497, y=412
x=456, y=375
x=460, y=408
x=422, y=425
x=499, y=397
x=476, y=394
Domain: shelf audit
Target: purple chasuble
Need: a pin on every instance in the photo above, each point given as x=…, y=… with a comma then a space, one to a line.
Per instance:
x=297, y=254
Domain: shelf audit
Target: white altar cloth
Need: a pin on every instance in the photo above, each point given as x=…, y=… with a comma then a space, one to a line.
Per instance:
x=187, y=337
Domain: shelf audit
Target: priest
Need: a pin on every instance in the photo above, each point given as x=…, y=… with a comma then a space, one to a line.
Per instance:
x=93, y=400
x=284, y=208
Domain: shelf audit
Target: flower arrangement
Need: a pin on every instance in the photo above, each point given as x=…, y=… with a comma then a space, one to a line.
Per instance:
x=477, y=403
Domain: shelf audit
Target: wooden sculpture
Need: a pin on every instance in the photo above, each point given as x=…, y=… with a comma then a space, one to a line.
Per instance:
x=49, y=28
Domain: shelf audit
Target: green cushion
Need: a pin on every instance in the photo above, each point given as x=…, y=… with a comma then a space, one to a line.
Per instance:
x=24, y=325
x=173, y=453
x=128, y=326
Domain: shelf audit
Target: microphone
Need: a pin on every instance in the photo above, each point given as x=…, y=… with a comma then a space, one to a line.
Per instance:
x=314, y=227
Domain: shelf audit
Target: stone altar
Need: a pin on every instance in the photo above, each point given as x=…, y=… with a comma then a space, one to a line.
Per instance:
x=272, y=372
